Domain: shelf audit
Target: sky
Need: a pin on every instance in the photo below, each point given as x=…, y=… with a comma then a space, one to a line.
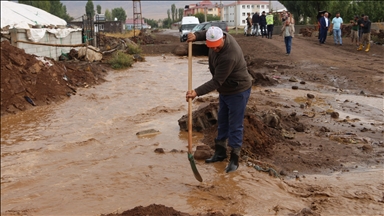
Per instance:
x=149, y=9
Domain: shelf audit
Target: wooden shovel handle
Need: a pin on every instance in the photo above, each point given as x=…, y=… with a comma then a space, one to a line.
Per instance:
x=189, y=99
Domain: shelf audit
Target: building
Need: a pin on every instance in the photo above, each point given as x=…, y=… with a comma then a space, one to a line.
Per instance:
x=236, y=12
x=129, y=24
x=202, y=7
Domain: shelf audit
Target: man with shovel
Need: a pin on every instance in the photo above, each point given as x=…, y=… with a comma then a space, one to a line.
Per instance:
x=231, y=79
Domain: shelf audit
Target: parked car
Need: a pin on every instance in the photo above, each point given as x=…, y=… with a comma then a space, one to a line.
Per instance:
x=205, y=25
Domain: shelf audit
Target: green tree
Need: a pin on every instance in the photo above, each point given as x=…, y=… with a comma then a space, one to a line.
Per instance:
x=173, y=10
x=167, y=22
x=181, y=13
x=169, y=14
x=89, y=8
x=119, y=13
x=153, y=23
x=210, y=17
x=108, y=15
x=98, y=9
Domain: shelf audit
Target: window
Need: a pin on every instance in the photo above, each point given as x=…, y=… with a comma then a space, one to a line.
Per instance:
x=243, y=6
x=252, y=13
x=243, y=21
x=101, y=27
x=258, y=6
x=262, y=6
x=243, y=14
x=253, y=6
x=248, y=6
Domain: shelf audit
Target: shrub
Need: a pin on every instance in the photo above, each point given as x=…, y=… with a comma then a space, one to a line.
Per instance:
x=134, y=49
x=121, y=60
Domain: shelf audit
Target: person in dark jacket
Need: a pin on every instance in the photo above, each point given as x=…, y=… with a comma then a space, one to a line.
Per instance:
x=324, y=25
x=366, y=34
x=231, y=79
x=255, y=21
x=361, y=20
x=263, y=24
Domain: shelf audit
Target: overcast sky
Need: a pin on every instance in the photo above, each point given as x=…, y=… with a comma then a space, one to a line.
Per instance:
x=150, y=9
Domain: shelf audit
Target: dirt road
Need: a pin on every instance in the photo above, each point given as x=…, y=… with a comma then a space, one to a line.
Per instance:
x=83, y=157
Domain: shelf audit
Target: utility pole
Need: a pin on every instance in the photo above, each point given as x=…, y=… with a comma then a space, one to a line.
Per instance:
x=137, y=16
x=221, y=11
x=270, y=5
x=205, y=14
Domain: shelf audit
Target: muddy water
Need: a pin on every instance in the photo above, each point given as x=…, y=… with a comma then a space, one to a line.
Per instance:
x=82, y=157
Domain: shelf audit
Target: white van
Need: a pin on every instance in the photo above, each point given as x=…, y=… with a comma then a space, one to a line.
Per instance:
x=187, y=24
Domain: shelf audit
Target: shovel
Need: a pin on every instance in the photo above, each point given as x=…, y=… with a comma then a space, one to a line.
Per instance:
x=190, y=155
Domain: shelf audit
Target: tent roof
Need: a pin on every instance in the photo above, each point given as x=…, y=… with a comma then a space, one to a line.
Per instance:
x=20, y=16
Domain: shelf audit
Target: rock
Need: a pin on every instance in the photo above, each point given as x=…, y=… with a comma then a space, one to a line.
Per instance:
x=159, y=150
x=367, y=148
x=287, y=134
x=299, y=127
x=362, y=92
x=293, y=114
x=181, y=50
x=364, y=130
x=16, y=86
x=202, y=154
x=35, y=68
x=272, y=120
x=293, y=79
x=283, y=173
x=174, y=151
x=335, y=115
x=295, y=87
x=203, y=147
x=324, y=129
x=302, y=82
x=311, y=96
x=147, y=132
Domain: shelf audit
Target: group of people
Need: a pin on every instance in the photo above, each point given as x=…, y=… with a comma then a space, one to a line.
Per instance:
x=360, y=33
x=262, y=22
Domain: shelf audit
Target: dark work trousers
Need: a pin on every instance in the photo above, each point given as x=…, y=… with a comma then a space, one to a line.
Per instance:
x=231, y=117
x=288, y=44
x=263, y=30
x=270, y=30
x=323, y=34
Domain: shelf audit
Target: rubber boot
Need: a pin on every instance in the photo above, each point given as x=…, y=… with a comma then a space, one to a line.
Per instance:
x=233, y=160
x=360, y=47
x=220, y=152
x=368, y=46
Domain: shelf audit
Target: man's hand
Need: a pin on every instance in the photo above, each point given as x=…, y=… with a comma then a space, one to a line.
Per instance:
x=190, y=94
x=191, y=37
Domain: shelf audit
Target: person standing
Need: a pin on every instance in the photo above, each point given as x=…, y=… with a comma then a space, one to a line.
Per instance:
x=324, y=24
x=269, y=19
x=355, y=30
x=249, y=24
x=288, y=31
x=337, y=26
x=255, y=24
x=231, y=79
x=263, y=24
x=319, y=26
x=366, y=34
x=361, y=20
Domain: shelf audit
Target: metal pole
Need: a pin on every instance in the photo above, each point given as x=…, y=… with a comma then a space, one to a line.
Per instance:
x=205, y=14
x=236, y=18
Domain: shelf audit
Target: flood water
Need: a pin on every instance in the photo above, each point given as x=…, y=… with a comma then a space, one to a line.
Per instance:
x=83, y=157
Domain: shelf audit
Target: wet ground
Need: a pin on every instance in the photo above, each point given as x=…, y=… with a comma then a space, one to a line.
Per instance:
x=83, y=157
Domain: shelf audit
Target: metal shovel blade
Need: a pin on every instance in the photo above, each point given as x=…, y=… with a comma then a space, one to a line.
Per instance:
x=194, y=168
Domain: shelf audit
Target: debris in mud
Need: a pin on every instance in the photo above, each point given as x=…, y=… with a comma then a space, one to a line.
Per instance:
x=311, y=96
x=153, y=209
x=335, y=115
x=201, y=119
x=147, y=132
x=260, y=79
x=159, y=150
x=293, y=79
x=295, y=87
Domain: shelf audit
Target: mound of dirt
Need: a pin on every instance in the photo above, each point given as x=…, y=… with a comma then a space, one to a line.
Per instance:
x=28, y=80
x=161, y=210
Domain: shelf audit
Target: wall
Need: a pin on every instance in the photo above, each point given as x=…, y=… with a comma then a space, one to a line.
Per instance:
x=48, y=51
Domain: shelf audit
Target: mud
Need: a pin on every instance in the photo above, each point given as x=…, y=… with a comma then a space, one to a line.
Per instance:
x=86, y=153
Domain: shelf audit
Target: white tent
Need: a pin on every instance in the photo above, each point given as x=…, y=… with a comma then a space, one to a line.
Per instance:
x=20, y=16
